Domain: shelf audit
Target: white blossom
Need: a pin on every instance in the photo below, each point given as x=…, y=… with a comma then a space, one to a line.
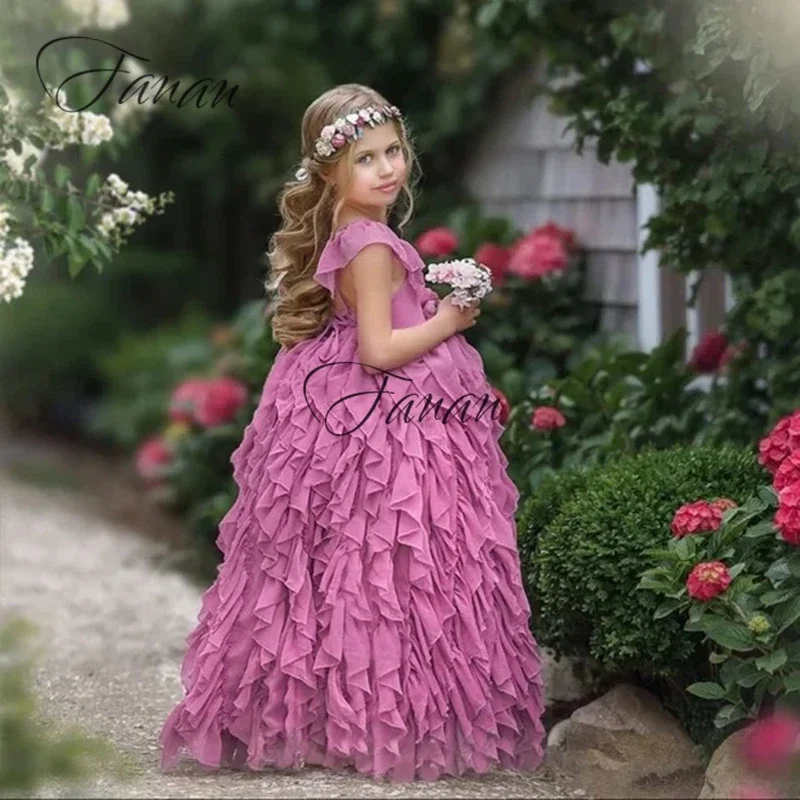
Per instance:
x=15, y=264
x=16, y=161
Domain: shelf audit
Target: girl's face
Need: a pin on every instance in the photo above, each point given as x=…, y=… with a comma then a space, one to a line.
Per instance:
x=379, y=169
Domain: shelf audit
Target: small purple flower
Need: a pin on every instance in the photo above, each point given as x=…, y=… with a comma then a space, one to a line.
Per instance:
x=348, y=130
x=338, y=140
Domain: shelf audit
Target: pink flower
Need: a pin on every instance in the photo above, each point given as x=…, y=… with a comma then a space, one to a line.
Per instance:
x=537, y=254
x=437, y=242
x=337, y=140
x=707, y=580
x=776, y=445
x=547, y=418
x=566, y=235
x=770, y=743
x=185, y=398
x=495, y=257
x=221, y=402
x=151, y=458
x=697, y=517
x=788, y=471
x=707, y=354
x=787, y=517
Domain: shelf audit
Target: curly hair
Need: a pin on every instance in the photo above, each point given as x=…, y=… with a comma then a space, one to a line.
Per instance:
x=299, y=308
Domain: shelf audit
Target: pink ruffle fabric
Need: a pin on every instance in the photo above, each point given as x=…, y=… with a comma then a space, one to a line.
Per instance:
x=369, y=610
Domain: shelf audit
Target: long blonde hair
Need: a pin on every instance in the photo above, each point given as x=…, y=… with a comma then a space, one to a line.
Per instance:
x=299, y=308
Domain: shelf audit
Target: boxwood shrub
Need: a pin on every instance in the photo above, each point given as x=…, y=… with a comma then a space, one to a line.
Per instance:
x=586, y=559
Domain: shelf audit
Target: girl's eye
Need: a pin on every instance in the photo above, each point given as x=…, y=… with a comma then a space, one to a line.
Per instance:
x=394, y=147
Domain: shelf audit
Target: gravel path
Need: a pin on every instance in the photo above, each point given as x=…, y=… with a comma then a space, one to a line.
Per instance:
x=113, y=621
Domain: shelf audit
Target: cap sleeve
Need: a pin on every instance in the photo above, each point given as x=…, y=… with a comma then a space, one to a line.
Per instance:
x=354, y=237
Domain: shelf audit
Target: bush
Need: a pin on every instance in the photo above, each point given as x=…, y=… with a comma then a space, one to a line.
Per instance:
x=50, y=340
x=539, y=509
x=589, y=559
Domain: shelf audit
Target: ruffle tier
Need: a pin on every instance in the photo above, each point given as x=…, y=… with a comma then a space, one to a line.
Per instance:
x=369, y=610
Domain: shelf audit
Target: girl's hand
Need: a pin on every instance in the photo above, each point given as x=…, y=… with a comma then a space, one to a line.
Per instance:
x=458, y=319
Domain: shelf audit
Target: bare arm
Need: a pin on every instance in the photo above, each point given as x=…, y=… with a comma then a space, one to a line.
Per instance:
x=379, y=345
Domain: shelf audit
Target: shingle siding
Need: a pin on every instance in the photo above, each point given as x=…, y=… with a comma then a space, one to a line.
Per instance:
x=527, y=168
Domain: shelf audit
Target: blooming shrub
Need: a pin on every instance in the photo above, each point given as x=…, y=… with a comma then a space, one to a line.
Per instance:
x=738, y=583
x=589, y=558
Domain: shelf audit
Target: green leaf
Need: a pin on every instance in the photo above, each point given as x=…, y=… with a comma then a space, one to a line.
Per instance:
x=728, y=715
x=775, y=660
x=93, y=184
x=786, y=615
x=706, y=124
x=761, y=529
x=667, y=607
x=718, y=658
x=775, y=596
x=791, y=682
x=708, y=690
x=61, y=175
x=732, y=635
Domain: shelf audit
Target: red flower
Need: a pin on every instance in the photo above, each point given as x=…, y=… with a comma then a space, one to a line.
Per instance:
x=221, y=401
x=793, y=431
x=707, y=354
x=707, y=580
x=697, y=517
x=503, y=404
x=788, y=471
x=776, y=445
x=185, y=399
x=566, y=235
x=151, y=457
x=787, y=517
x=770, y=743
x=437, y=242
x=537, y=254
x=495, y=257
x=724, y=503
x=547, y=418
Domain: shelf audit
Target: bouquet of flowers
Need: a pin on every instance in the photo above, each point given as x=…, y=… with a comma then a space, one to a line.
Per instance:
x=468, y=279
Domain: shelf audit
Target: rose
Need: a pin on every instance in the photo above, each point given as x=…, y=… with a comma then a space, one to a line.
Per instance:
x=437, y=242
x=707, y=580
x=707, y=354
x=770, y=743
x=547, y=418
x=495, y=257
x=537, y=254
x=787, y=517
x=151, y=458
x=221, y=401
x=697, y=517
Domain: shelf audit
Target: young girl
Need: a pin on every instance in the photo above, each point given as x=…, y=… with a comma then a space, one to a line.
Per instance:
x=369, y=610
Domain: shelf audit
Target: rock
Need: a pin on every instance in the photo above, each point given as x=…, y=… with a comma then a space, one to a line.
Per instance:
x=625, y=744
x=727, y=773
x=566, y=680
x=558, y=735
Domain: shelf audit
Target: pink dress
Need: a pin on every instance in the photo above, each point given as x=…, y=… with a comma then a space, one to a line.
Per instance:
x=369, y=610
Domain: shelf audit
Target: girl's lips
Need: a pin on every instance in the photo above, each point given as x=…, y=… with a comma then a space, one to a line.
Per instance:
x=390, y=187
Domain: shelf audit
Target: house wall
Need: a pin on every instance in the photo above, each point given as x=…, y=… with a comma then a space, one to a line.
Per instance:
x=527, y=169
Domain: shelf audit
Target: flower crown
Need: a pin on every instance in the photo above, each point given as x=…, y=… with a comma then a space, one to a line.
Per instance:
x=349, y=128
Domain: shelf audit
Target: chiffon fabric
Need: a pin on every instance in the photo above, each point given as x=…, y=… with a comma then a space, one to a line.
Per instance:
x=368, y=613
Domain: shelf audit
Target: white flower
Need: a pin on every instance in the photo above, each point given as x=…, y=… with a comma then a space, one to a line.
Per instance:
x=339, y=124
x=117, y=185
x=16, y=161
x=4, y=227
x=81, y=127
x=15, y=264
x=324, y=148
x=353, y=119
x=327, y=133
